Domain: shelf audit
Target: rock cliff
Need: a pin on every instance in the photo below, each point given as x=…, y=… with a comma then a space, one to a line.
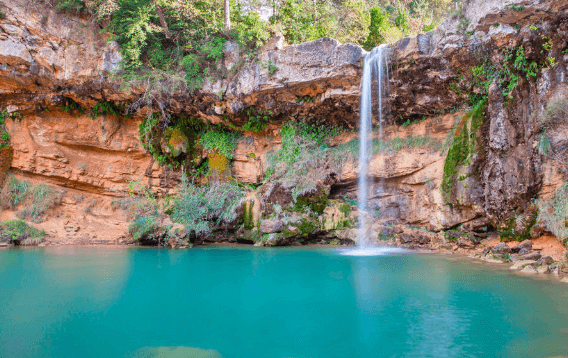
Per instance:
x=49, y=61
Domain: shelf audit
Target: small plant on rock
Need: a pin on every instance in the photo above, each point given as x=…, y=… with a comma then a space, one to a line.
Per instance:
x=18, y=232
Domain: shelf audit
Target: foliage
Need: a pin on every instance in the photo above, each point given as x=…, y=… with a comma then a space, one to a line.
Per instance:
x=171, y=36
x=251, y=30
x=40, y=199
x=107, y=108
x=544, y=146
x=518, y=227
x=553, y=213
x=556, y=111
x=521, y=63
x=201, y=207
x=257, y=120
x=298, y=164
x=71, y=106
x=272, y=69
x=71, y=6
x=145, y=227
x=220, y=142
x=13, y=193
x=20, y=233
x=140, y=201
x=180, y=139
x=378, y=29
x=4, y=135
x=315, y=203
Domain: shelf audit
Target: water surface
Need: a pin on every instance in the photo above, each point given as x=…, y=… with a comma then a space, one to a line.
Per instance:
x=281, y=302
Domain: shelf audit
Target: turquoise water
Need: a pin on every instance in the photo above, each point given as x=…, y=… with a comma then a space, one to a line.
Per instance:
x=282, y=302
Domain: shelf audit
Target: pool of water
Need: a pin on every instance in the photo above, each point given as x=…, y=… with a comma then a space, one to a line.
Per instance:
x=280, y=302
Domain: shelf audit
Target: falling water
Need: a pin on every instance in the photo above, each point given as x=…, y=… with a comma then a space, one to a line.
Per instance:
x=375, y=67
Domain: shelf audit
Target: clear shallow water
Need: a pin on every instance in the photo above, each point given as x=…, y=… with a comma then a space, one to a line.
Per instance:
x=241, y=302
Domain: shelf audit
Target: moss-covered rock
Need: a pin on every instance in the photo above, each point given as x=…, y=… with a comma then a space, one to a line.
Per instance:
x=176, y=142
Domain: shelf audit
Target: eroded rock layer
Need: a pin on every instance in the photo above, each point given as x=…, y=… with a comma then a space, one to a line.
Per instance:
x=47, y=59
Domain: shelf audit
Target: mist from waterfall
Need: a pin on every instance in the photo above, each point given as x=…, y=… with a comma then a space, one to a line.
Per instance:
x=375, y=80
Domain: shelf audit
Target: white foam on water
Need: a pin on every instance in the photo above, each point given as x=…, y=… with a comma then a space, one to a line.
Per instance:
x=371, y=251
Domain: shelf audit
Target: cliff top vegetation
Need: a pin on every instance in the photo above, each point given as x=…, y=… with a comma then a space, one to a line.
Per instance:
x=189, y=36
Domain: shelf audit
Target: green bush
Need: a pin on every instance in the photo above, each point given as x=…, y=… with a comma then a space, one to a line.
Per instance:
x=13, y=193
x=71, y=6
x=20, y=233
x=4, y=135
x=553, y=213
x=201, y=207
x=107, y=108
x=220, y=142
x=556, y=111
x=146, y=228
x=251, y=31
x=40, y=199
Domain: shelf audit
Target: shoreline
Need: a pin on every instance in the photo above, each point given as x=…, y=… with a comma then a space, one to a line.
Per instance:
x=560, y=274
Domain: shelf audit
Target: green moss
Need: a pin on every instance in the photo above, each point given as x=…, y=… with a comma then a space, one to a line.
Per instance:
x=180, y=138
x=177, y=141
x=248, y=217
x=307, y=227
x=462, y=148
x=345, y=208
x=509, y=230
x=317, y=203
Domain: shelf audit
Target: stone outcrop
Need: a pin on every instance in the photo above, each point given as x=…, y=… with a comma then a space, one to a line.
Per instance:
x=47, y=59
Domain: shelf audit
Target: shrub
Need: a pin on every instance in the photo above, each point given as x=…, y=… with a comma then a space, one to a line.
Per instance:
x=553, y=213
x=4, y=135
x=556, y=111
x=13, y=193
x=300, y=163
x=145, y=228
x=71, y=6
x=139, y=202
x=40, y=199
x=220, y=142
x=201, y=207
x=20, y=233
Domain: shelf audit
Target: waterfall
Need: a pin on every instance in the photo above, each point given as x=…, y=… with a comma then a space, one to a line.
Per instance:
x=375, y=66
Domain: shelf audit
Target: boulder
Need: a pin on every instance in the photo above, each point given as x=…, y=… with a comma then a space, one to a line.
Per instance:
x=530, y=256
x=271, y=226
x=521, y=264
x=527, y=244
x=466, y=242
x=524, y=251
x=501, y=248
x=546, y=260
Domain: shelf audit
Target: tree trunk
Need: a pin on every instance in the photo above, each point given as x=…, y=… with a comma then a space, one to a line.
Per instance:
x=163, y=22
x=227, y=16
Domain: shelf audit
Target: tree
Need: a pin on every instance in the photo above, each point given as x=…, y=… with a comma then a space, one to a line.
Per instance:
x=227, y=16
x=162, y=18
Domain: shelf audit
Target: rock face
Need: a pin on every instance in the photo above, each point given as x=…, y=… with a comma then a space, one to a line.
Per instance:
x=47, y=59
x=271, y=226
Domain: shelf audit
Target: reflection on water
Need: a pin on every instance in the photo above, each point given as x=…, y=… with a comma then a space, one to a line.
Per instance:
x=271, y=303
x=371, y=251
x=176, y=352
